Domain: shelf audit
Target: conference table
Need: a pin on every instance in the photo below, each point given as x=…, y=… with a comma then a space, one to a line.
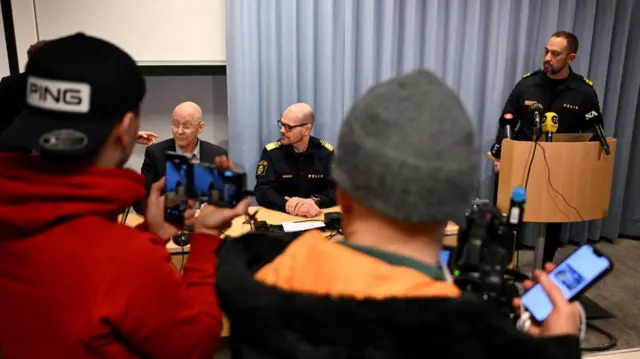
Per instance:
x=240, y=226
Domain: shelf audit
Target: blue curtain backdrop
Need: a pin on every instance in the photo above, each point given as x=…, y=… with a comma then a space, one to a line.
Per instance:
x=328, y=52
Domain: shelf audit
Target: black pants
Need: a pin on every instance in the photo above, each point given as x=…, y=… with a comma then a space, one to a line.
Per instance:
x=552, y=234
x=551, y=241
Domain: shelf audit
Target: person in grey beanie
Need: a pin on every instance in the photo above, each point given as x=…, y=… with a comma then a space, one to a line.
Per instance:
x=406, y=163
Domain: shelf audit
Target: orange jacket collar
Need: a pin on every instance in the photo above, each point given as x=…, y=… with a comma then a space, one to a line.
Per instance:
x=314, y=265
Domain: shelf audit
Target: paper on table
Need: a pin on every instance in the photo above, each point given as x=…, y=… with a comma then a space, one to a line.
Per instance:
x=301, y=226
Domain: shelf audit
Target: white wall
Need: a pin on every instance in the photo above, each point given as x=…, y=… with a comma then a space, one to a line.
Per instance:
x=165, y=93
x=4, y=60
x=24, y=24
x=154, y=32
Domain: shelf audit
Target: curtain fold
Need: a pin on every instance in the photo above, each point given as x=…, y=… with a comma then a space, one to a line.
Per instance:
x=328, y=52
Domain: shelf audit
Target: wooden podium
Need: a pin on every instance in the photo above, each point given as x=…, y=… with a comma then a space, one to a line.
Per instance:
x=569, y=180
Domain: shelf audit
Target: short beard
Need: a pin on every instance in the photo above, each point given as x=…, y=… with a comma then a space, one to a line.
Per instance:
x=554, y=71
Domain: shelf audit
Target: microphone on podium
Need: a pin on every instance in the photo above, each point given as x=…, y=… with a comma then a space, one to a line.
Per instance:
x=550, y=124
x=496, y=149
x=537, y=112
x=595, y=119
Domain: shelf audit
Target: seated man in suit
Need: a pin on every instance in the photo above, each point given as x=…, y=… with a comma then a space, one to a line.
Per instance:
x=186, y=125
x=293, y=174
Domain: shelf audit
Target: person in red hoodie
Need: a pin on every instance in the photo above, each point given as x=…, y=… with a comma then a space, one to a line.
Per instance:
x=75, y=283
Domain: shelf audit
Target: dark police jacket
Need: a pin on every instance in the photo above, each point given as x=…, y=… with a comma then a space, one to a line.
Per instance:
x=313, y=298
x=283, y=172
x=571, y=101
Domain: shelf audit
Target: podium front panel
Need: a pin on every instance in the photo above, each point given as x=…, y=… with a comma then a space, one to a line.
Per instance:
x=568, y=181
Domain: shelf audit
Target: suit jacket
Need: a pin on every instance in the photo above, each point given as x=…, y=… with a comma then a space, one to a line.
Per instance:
x=154, y=164
x=12, y=98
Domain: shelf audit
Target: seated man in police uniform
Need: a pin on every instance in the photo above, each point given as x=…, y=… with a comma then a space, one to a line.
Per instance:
x=293, y=174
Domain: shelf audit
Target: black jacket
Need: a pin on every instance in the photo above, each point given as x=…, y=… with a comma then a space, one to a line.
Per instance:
x=283, y=172
x=154, y=164
x=12, y=98
x=571, y=101
x=269, y=322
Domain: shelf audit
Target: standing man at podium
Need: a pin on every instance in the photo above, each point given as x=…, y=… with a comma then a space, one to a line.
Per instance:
x=561, y=92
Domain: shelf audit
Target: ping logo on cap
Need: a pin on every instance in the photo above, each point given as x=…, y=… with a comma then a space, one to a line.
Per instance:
x=56, y=95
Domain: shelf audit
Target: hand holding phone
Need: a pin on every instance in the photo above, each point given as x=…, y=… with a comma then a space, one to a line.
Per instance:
x=564, y=318
x=156, y=213
x=212, y=219
x=548, y=301
x=581, y=270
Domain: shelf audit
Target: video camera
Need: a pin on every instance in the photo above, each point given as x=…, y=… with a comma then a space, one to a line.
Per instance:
x=485, y=249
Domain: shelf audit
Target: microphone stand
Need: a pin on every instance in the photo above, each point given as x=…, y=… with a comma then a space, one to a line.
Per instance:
x=537, y=129
x=603, y=139
x=507, y=132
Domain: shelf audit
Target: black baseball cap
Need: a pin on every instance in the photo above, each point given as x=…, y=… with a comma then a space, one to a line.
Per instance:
x=77, y=88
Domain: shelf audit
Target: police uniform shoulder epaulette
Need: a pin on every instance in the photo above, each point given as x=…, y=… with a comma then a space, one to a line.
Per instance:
x=326, y=145
x=273, y=145
x=586, y=80
x=531, y=73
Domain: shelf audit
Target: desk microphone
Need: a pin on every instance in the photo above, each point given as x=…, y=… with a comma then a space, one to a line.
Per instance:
x=537, y=112
x=550, y=124
x=595, y=119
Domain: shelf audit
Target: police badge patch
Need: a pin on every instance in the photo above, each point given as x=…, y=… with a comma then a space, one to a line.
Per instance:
x=262, y=168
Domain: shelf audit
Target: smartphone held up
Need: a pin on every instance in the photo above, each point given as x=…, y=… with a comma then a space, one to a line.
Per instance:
x=178, y=179
x=201, y=182
x=220, y=187
x=580, y=271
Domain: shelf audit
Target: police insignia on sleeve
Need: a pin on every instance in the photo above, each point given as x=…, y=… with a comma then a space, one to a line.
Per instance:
x=262, y=168
x=589, y=82
x=326, y=145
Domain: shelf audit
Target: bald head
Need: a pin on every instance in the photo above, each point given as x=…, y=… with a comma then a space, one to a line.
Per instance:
x=188, y=110
x=187, y=123
x=299, y=112
x=296, y=124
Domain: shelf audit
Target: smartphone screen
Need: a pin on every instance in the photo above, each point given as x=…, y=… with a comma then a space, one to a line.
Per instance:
x=445, y=257
x=223, y=188
x=582, y=268
x=177, y=187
